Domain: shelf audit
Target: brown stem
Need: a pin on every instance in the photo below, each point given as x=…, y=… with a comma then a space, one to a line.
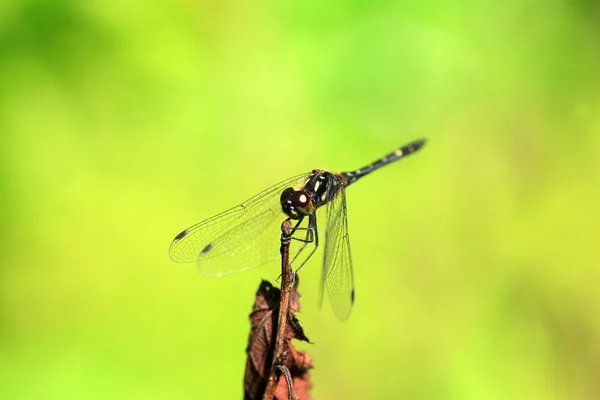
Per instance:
x=288, y=379
x=284, y=305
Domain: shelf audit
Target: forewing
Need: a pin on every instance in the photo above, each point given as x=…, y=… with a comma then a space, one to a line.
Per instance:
x=337, y=264
x=238, y=239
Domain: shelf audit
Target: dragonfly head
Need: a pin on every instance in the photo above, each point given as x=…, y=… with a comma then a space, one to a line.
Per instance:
x=296, y=203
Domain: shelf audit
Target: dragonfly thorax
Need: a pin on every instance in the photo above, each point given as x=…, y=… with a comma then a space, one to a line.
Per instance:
x=296, y=204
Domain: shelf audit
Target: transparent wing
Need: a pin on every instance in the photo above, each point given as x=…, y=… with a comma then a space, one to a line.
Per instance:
x=238, y=239
x=337, y=264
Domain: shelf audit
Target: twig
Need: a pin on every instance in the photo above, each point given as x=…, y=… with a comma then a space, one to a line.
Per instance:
x=284, y=305
x=288, y=379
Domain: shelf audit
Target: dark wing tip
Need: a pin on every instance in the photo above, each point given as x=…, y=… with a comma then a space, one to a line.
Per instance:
x=173, y=249
x=207, y=248
x=180, y=236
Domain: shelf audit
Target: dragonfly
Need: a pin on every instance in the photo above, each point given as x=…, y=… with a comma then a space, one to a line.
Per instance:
x=248, y=235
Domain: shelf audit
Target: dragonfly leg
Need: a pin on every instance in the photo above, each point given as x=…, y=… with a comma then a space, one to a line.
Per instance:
x=309, y=238
x=313, y=234
x=309, y=233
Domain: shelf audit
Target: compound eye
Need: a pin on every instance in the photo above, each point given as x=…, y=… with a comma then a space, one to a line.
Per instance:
x=285, y=195
x=301, y=199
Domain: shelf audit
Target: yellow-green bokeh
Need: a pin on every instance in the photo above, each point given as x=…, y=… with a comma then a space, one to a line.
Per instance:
x=476, y=261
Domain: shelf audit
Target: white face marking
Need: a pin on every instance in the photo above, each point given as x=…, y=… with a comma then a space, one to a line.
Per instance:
x=302, y=198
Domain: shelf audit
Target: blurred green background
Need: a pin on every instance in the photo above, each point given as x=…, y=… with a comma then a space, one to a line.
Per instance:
x=476, y=260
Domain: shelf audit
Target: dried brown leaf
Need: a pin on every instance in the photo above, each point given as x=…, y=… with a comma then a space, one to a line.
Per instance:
x=261, y=344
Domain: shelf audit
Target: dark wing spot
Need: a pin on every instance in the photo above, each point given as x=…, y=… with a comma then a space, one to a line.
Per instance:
x=207, y=248
x=352, y=296
x=180, y=236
